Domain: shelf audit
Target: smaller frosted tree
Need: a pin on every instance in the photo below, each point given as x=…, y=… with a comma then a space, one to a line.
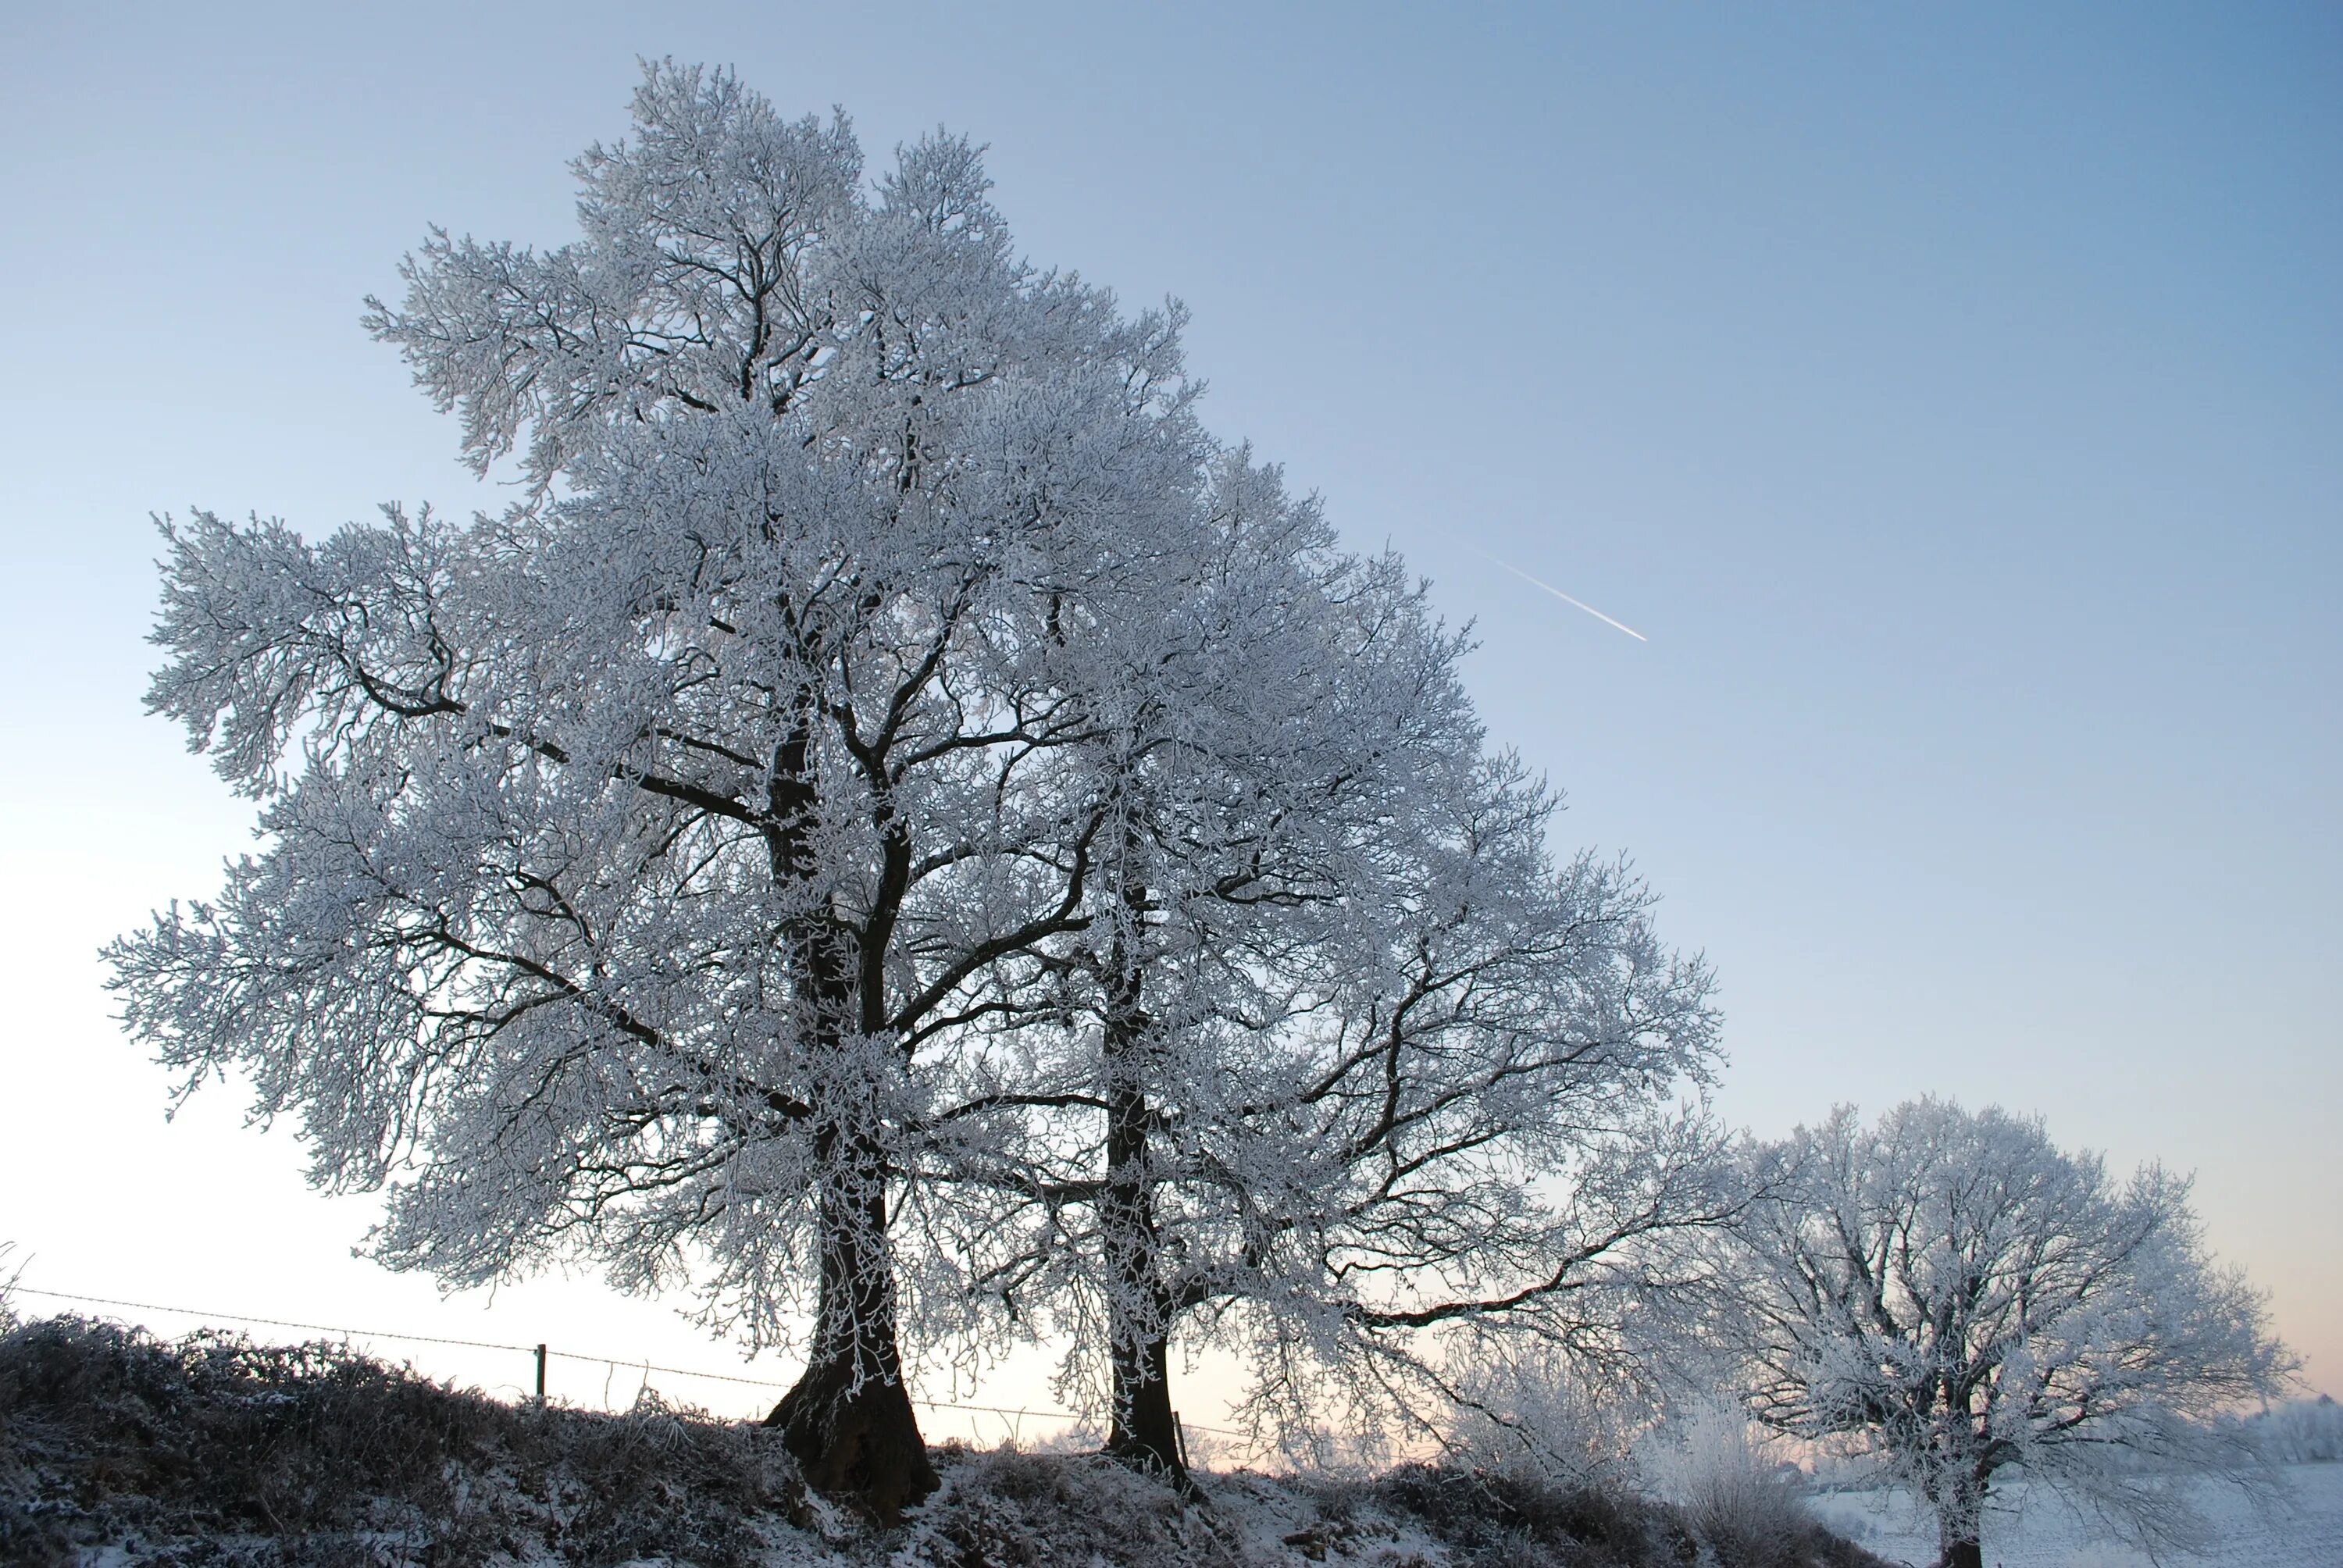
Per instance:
x=1947, y=1296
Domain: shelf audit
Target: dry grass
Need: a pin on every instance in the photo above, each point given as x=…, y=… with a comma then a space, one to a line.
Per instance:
x=212, y=1451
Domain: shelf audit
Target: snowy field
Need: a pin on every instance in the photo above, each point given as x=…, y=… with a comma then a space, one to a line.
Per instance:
x=2041, y=1533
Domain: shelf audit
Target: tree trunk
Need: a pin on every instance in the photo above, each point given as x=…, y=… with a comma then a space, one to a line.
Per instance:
x=847, y=1421
x=1960, y=1520
x=1143, y=1432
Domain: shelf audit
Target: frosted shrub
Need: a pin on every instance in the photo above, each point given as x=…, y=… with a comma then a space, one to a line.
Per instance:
x=1540, y=1420
x=1735, y=1490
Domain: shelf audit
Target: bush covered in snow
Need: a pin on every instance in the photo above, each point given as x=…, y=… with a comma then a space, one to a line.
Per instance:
x=1537, y=1417
x=1731, y=1486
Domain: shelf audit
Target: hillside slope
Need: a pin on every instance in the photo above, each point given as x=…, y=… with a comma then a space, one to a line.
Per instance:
x=119, y=1449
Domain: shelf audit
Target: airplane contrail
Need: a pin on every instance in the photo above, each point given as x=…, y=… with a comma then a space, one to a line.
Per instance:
x=1575, y=604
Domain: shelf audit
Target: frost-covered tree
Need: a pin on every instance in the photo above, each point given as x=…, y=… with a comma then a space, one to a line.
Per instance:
x=1261, y=732
x=1347, y=1065
x=1252, y=749
x=896, y=827
x=637, y=864
x=1945, y=1296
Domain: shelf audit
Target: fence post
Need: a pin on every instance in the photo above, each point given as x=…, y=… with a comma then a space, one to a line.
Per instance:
x=540, y=1374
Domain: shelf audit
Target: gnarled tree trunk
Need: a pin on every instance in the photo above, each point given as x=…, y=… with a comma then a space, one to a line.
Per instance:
x=847, y=1421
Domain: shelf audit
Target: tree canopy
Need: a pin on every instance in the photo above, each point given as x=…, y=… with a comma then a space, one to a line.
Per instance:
x=897, y=825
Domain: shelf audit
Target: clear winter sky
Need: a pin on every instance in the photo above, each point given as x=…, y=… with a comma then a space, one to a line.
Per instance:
x=1952, y=393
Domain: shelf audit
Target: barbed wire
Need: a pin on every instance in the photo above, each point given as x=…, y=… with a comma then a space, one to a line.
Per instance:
x=647, y=1367
x=279, y=1322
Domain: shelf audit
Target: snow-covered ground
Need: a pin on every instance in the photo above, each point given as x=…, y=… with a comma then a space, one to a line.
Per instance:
x=2039, y=1532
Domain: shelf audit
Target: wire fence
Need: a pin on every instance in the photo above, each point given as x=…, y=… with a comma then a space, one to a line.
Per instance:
x=542, y=1353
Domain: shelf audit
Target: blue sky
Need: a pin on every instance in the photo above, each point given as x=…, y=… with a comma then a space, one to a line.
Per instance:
x=1954, y=395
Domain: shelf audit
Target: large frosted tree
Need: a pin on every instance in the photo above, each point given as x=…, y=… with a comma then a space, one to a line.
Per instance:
x=634, y=862
x=895, y=829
